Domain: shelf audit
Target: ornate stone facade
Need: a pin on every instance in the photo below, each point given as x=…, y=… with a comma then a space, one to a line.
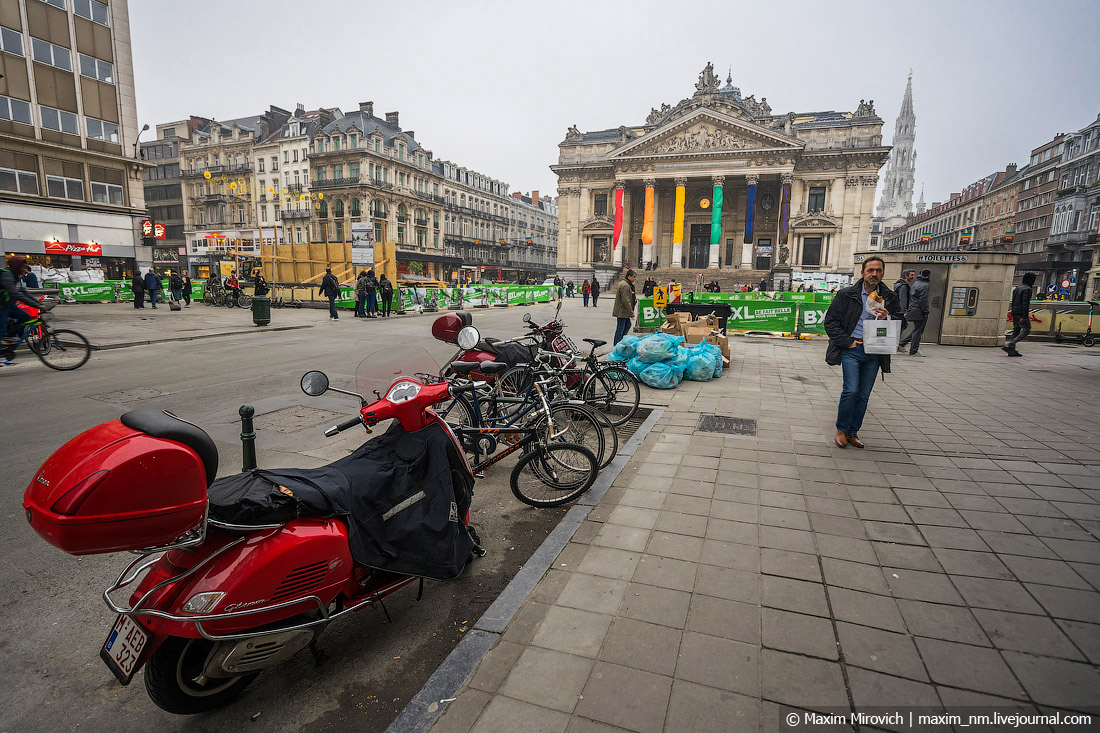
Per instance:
x=787, y=191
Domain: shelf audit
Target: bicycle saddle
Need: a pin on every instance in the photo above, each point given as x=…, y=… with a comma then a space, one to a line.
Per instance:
x=596, y=343
x=492, y=367
x=464, y=367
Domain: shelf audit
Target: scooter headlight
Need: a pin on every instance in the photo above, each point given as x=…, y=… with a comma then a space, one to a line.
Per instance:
x=203, y=602
x=403, y=392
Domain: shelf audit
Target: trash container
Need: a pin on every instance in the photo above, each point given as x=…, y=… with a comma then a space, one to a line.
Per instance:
x=722, y=310
x=261, y=310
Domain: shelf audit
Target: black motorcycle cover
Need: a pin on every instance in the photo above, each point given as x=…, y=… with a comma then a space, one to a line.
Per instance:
x=510, y=354
x=404, y=497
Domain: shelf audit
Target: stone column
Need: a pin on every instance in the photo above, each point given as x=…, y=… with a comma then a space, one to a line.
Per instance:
x=678, y=224
x=647, y=225
x=620, y=220
x=782, y=261
x=715, y=221
x=747, y=262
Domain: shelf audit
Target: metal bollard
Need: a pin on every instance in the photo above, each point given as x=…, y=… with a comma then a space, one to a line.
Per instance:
x=248, y=438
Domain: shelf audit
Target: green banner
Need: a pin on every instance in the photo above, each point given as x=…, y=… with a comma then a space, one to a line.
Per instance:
x=747, y=315
x=87, y=292
x=716, y=215
x=811, y=318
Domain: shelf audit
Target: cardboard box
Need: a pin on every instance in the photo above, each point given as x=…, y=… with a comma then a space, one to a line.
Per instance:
x=722, y=341
x=680, y=317
x=696, y=332
x=674, y=329
x=710, y=320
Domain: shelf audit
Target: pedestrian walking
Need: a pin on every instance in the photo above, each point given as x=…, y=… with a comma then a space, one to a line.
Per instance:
x=361, y=295
x=902, y=289
x=259, y=284
x=137, y=285
x=844, y=321
x=175, y=284
x=372, y=295
x=595, y=293
x=586, y=289
x=153, y=285
x=647, y=287
x=917, y=313
x=187, y=290
x=763, y=284
x=385, y=288
x=623, y=310
x=1021, y=314
x=330, y=288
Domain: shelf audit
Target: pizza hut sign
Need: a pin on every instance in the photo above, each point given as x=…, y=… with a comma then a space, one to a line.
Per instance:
x=73, y=248
x=150, y=229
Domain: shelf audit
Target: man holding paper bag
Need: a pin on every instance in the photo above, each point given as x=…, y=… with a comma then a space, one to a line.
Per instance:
x=861, y=338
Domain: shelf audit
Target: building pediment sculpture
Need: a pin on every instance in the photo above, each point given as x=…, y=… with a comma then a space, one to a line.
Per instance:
x=815, y=220
x=598, y=223
x=625, y=134
x=708, y=82
x=865, y=109
x=572, y=134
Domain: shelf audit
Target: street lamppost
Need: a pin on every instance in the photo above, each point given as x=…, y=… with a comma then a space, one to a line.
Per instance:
x=138, y=140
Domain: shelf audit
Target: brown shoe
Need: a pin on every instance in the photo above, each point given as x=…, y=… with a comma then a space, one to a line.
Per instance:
x=853, y=439
x=841, y=439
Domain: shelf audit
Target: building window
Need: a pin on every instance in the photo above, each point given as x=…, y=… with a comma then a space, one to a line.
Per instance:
x=65, y=188
x=92, y=10
x=15, y=110
x=101, y=130
x=56, y=119
x=56, y=3
x=816, y=200
x=600, y=205
x=106, y=193
x=274, y=163
x=295, y=156
x=353, y=171
x=48, y=53
x=261, y=168
x=811, y=251
x=11, y=41
x=19, y=181
x=96, y=69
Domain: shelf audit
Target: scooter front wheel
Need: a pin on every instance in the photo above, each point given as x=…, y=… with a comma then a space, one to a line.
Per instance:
x=175, y=679
x=1089, y=341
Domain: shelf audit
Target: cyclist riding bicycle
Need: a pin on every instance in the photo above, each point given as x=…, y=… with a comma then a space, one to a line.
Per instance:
x=233, y=286
x=12, y=293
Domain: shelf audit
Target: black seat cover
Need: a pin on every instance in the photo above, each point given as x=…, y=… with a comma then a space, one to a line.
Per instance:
x=161, y=424
x=487, y=344
x=492, y=367
x=464, y=367
x=595, y=342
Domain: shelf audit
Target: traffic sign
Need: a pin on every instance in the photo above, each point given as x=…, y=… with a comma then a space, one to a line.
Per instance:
x=660, y=297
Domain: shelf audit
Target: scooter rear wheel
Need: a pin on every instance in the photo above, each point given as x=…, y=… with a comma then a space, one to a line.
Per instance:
x=175, y=682
x=1089, y=341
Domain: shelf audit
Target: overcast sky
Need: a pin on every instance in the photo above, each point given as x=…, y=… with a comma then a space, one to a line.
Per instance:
x=494, y=85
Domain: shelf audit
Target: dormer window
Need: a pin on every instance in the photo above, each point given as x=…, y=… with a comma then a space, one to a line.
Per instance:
x=377, y=145
x=401, y=150
x=353, y=142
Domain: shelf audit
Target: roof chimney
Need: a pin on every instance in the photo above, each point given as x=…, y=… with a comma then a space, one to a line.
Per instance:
x=1010, y=170
x=517, y=195
x=391, y=120
x=534, y=198
x=410, y=133
x=367, y=108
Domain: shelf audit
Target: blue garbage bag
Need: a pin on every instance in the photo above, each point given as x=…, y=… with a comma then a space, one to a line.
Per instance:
x=660, y=376
x=714, y=354
x=700, y=366
x=636, y=366
x=680, y=360
x=658, y=347
x=625, y=349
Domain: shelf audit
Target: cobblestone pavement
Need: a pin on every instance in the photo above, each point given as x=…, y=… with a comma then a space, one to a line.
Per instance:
x=726, y=581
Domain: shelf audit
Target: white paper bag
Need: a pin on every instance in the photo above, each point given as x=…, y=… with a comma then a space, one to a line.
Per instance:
x=881, y=337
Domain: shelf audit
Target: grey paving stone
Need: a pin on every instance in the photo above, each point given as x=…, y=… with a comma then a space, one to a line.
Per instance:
x=495, y=666
x=572, y=631
x=802, y=681
x=787, y=539
x=883, y=651
x=878, y=493
x=688, y=504
x=1085, y=636
x=830, y=524
x=1044, y=571
x=1016, y=544
x=967, y=667
x=692, y=474
x=874, y=690
x=782, y=493
x=666, y=572
x=658, y=469
x=609, y=563
x=718, y=662
x=1030, y=507
x=845, y=548
x=505, y=713
x=650, y=647
x=834, y=507
x=525, y=623
x=655, y=605
x=952, y=538
x=793, y=595
x=548, y=589
x=678, y=546
x=954, y=699
x=622, y=537
x=592, y=593
x=968, y=562
x=921, y=586
x=731, y=555
x=790, y=518
x=826, y=490
x=853, y=575
x=912, y=497
x=1061, y=527
x=697, y=708
x=936, y=516
x=527, y=680
x=997, y=521
x=677, y=523
x=973, y=502
x=903, y=534
x=1026, y=633
x=652, y=484
x=724, y=618
x=746, y=533
x=866, y=609
x=630, y=516
x=1000, y=595
x=798, y=633
x=728, y=583
x=700, y=461
x=802, y=566
x=1074, y=551
x=460, y=715
x=911, y=557
x=881, y=512
x=783, y=470
x=1057, y=682
x=626, y=697
x=1091, y=573
x=584, y=725
x=1067, y=603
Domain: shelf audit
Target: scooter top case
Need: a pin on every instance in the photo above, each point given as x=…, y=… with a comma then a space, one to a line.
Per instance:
x=446, y=327
x=134, y=483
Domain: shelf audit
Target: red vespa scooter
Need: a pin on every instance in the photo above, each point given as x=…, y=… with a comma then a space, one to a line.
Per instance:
x=219, y=598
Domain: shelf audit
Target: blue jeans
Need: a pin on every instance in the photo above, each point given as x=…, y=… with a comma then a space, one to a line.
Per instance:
x=153, y=298
x=622, y=328
x=360, y=303
x=332, y=307
x=860, y=371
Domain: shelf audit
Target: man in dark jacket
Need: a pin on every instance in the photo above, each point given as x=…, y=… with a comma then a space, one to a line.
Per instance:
x=153, y=286
x=844, y=324
x=137, y=286
x=595, y=293
x=330, y=288
x=623, y=311
x=917, y=313
x=1021, y=314
x=902, y=288
x=11, y=293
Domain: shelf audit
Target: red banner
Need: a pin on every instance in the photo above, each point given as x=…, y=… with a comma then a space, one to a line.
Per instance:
x=618, y=231
x=73, y=248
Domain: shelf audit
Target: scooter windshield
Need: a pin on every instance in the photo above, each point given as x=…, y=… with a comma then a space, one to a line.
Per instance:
x=377, y=372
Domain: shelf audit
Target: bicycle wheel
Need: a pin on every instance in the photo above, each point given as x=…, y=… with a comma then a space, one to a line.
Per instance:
x=575, y=424
x=36, y=342
x=551, y=475
x=513, y=382
x=614, y=392
x=66, y=350
x=611, y=437
x=458, y=413
x=245, y=301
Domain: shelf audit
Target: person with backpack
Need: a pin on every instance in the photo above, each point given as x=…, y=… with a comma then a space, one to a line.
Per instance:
x=175, y=284
x=902, y=289
x=13, y=292
x=1021, y=314
x=372, y=294
x=586, y=289
x=917, y=313
x=386, y=289
x=137, y=285
x=153, y=284
x=330, y=289
x=361, y=295
x=595, y=293
x=187, y=290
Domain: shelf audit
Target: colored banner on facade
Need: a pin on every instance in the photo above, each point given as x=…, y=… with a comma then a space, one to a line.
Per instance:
x=784, y=211
x=647, y=223
x=749, y=313
x=617, y=232
x=750, y=212
x=678, y=220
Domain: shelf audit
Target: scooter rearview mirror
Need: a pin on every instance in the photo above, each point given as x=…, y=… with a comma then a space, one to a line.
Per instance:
x=526, y=317
x=468, y=337
x=314, y=383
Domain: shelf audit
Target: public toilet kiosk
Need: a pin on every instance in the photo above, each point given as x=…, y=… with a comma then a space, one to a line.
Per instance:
x=969, y=292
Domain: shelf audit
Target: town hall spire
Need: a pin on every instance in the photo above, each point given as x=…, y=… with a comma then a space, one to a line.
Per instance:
x=897, y=184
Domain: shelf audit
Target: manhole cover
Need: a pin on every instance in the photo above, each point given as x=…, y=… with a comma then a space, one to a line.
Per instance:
x=294, y=419
x=129, y=395
x=728, y=425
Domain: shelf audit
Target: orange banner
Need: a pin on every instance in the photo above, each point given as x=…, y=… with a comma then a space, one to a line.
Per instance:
x=647, y=225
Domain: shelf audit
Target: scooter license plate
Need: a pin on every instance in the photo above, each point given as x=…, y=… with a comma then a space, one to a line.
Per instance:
x=122, y=650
